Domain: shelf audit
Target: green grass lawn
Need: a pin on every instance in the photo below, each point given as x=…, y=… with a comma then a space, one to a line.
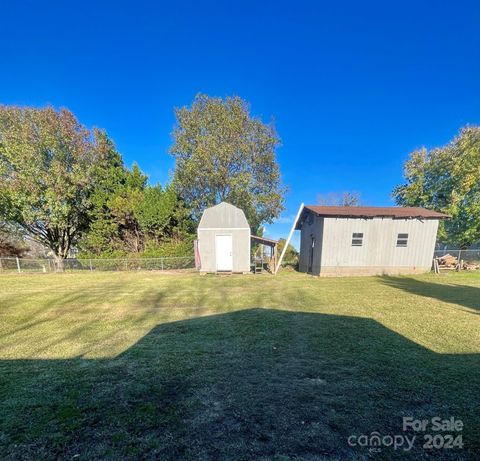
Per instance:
x=189, y=367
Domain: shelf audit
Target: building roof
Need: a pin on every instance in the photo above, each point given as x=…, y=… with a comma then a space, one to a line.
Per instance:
x=374, y=212
x=264, y=240
x=223, y=216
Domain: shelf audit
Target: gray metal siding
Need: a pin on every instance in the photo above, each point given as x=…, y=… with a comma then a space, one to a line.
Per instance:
x=224, y=219
x=240, y=249
x=309, y=230
x=379, y=247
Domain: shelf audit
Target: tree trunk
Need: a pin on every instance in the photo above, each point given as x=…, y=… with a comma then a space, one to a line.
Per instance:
x=59, y=264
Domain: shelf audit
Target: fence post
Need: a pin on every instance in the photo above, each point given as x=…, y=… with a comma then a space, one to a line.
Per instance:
x=161, y=261
x=1, y=267
x=18, y=264
x=90, y=263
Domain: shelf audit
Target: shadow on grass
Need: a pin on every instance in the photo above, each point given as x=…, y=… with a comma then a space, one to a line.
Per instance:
x=252, y=384
x=463, y=295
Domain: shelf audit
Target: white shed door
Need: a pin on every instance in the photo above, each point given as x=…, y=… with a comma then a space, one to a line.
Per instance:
x=223, y=251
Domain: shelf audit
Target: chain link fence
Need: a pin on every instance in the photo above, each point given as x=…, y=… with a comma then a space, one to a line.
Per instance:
x=9, y=265
x=19, y=265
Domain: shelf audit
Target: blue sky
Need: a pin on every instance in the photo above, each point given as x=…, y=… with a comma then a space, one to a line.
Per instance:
x=353, y=86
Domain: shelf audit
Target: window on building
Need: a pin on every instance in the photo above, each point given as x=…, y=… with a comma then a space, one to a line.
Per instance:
x=357, y=239
x=402, y=240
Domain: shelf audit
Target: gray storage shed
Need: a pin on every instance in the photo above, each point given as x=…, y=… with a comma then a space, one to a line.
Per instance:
x=224, y=240
x=367, y=240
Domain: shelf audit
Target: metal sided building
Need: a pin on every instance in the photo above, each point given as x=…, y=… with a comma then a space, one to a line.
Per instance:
x=224, y=240
x=338, y=241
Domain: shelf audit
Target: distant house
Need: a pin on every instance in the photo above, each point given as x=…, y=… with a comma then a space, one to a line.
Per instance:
x=223, y=240
x=339, y=241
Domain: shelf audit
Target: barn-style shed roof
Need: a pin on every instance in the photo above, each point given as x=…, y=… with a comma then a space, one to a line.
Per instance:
x=372, y=212
x=223, y=216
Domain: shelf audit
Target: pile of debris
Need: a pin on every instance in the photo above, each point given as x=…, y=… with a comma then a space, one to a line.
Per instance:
x=448, y=262
x=470, y=266
x=451, y=262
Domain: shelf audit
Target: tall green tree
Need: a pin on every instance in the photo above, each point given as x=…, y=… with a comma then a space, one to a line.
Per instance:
x=161, y=215
x=223, y=153
x=47, y=175
x=111, y=176
x=447, y=179
x=116, y=195
x=129, y=215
